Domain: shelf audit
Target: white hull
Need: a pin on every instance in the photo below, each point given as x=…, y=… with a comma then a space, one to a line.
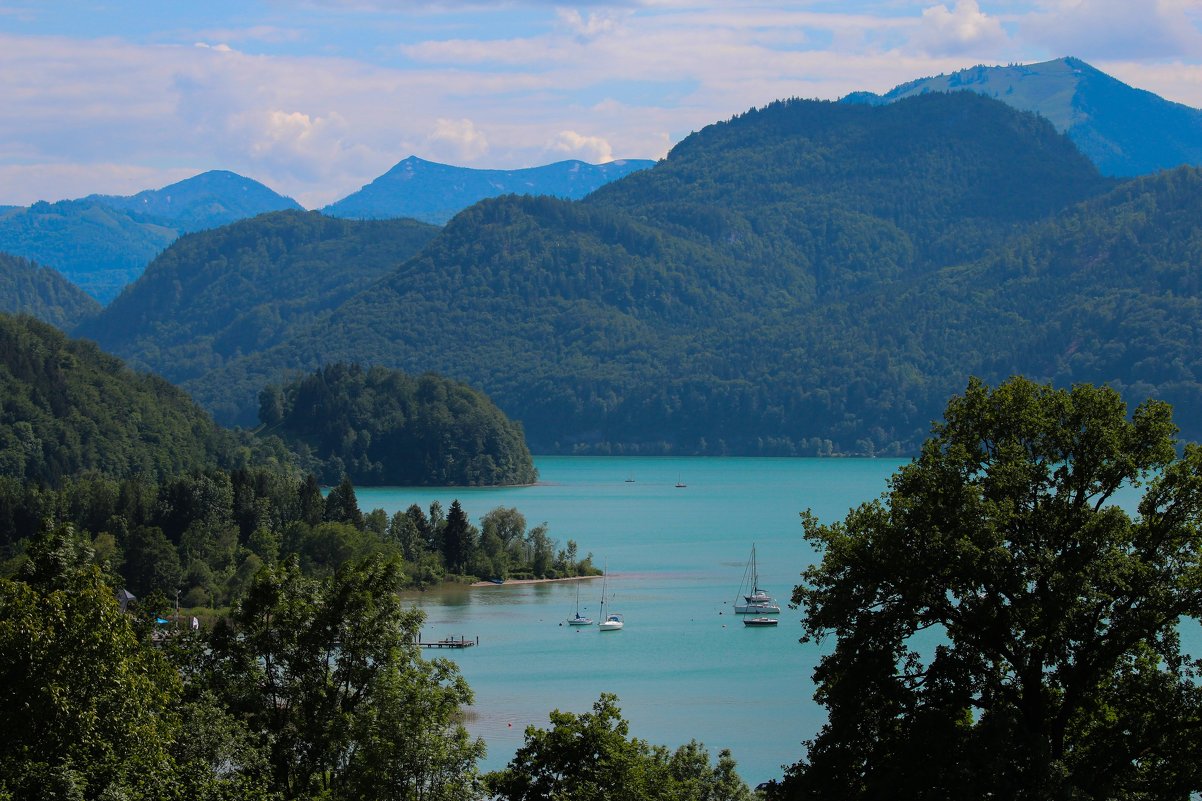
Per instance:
x=610, y=625
x=757, y=609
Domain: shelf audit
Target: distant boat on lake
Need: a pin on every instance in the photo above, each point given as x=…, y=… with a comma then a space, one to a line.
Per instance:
x=613, y=621
x=579, y=619
x=759, y=621
x=680, y=484
x=755, y=601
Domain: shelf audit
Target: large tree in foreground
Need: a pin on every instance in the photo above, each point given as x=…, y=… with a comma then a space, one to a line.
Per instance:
x=592, y=757
x=1002, y=628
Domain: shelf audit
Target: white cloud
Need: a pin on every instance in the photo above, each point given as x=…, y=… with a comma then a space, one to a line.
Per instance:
x=604, y=80
x=28, y=183
x=595, y=25
x=961, y=29
x=592, y=149
x=460, y=139
x=1117, y=29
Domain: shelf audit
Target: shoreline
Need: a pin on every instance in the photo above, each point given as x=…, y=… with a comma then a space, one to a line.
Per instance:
x=509, y=582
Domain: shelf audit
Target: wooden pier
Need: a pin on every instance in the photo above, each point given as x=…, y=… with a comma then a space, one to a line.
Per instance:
x=450, y=642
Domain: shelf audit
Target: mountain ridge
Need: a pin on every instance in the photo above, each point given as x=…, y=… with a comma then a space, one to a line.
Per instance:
x=1124, y=130
x=702, y=306
x=434, y=193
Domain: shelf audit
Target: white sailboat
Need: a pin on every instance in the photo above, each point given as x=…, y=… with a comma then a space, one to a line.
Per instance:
x=579, y=619
x=612, y=621
x=756, y=601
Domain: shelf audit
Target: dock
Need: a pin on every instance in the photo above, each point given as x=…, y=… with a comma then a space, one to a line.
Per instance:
x=450, y=642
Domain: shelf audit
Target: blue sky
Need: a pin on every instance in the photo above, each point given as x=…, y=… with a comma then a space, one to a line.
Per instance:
x=317, y=98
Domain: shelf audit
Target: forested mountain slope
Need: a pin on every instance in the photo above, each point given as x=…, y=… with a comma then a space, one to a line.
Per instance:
x=1125, y=131
x=215, y=295
x=29, y=288
x=67, y=407
x=706, y=304
x=98, y=248
x=102, y=242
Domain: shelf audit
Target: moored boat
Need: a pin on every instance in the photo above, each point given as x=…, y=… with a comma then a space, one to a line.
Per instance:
x=760, y=621
x=613, y=621
x=756, y=601
x=579, y=619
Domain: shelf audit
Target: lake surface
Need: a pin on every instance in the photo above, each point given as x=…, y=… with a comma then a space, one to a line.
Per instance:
x=684, y=667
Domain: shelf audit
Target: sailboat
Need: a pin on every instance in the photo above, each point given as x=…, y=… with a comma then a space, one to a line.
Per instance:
x=757, y=601
x=613, y=621
x=579, y=619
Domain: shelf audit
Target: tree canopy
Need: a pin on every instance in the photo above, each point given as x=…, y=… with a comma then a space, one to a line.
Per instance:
x=383, y=427
x=1002, y=627
x=592, y=757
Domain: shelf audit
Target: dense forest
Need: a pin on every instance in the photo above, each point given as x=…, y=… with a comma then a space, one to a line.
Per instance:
x=69, y=408
x=807, y=278
x=216, y=295
x=383, y=427
x=29, y=288
x=715, y=303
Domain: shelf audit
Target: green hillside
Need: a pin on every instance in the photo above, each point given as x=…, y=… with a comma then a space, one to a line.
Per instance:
x=709, y=304
x=383, y=427
x=98, y=248
x=69, y=408
x=215, y=295
x=101, y=243
x=1125, y=131
x=28, y=288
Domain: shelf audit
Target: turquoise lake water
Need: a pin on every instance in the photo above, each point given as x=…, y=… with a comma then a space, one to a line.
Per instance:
x=684, y=667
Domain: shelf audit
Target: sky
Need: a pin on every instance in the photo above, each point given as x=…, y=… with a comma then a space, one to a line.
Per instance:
x=317, y=98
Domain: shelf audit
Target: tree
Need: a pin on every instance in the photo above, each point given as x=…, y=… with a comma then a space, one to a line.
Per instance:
x=1001, y=627
x=151, y=562
x=412, y=745
x=458, y=539
x=342, y=506
x=86, y=708
x=591, y=757
x=326, y=672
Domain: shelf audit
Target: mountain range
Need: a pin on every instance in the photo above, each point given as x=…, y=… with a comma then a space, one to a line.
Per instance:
x=434, y=193
x=1123, y=130
x=103, y=242
x=809, y=277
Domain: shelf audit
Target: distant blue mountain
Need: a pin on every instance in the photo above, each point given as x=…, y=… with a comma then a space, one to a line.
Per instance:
x=101, y=243
x=432, y=192
x=208, y=200
x=1124, y=131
